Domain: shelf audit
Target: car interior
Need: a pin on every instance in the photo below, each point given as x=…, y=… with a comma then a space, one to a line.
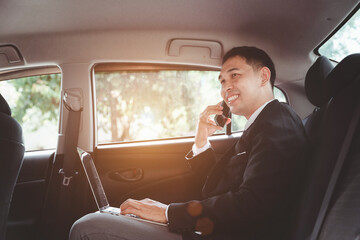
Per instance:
x=126, y=81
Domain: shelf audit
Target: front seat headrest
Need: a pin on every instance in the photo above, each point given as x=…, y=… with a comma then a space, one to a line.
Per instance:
x=315, y=81
x=4, y=106
x=343, y=75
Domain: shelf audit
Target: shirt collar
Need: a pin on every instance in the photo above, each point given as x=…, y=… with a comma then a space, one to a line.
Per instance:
x=255, y=115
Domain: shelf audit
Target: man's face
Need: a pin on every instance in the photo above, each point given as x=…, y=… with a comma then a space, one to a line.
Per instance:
x=240, y=86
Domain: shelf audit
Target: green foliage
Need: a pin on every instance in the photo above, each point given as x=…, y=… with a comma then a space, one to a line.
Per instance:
x=152, y=104
x=37, y=95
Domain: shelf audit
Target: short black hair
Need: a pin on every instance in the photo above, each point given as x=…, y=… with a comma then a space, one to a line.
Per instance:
x=255, y=57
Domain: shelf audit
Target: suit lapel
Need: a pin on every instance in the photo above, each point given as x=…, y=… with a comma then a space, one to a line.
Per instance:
x=240, y=147
x=237, y=148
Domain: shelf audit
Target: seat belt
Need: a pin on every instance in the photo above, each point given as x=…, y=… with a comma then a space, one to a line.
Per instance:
x=63, y=213
x=68, y=171
x=57, y=215
x=337, y=170
x=73, y=105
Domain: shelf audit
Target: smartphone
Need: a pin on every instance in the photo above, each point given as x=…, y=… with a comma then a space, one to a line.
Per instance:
x=221, y=119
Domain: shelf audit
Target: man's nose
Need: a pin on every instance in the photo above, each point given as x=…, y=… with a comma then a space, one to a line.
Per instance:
x=227, y=86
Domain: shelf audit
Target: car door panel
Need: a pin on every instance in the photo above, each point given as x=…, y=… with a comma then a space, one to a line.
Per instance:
x=166, y=175
x=28, y=196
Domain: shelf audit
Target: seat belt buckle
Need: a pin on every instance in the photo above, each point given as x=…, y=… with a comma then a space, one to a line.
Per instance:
x=67, y=179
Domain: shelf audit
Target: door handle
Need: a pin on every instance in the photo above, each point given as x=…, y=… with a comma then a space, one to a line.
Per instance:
x=128, y=175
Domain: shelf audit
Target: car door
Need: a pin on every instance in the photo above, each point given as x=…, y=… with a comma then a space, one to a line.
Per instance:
x=158, y=171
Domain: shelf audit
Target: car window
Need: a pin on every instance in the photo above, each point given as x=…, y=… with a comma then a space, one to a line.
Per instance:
x=136, y=105
x=144, y=105
x=345, y=41
x=34, y=103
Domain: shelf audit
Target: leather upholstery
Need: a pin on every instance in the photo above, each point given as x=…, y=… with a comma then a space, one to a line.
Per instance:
x=11, y=158
x=315, y=92
x=342, y=88
x=343, y=75
x=314, y=81
x=4, y=107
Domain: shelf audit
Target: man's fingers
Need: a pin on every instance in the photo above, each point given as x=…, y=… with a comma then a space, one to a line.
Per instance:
x=212, y=125
x=143, y=211
x=228, y=121
x=211, y=121
x=136, y=204
x=147, y=200
x=147, y=209
x=133, y=211
x=130, y=203
x=210, y=110
x=206, y=126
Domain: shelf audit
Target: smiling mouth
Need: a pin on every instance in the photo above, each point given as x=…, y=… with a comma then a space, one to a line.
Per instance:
x=232, y=98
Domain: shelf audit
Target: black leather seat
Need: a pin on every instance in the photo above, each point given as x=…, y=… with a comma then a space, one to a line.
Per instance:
x=11, y=158
x=315, y=92
x=315, y=81
x=341, y=95
x=343, y=215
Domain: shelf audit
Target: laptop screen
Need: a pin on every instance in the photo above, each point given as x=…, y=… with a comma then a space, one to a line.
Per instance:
x=94, y=179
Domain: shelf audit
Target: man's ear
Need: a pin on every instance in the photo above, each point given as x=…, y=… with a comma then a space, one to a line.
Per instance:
x=265, y=75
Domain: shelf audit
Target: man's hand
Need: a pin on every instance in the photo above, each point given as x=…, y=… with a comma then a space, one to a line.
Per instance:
x=146, y=209
x=206, y=125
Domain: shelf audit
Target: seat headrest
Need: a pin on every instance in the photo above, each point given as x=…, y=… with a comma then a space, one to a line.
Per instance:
x=4, y=106
x=343, y=75
x=315, y=81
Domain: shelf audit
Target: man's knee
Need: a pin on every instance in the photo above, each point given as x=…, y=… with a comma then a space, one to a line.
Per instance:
x=105, y=226
x=83, y=226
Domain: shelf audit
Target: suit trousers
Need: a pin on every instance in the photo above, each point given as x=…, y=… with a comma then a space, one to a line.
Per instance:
x=102, y=226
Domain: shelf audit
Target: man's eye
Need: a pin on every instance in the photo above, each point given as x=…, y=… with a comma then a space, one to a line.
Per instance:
x=234, y=75
x=222, y=81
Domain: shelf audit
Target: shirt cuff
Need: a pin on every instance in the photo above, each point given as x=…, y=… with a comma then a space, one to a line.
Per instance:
x=166, y=213
x=197, y=151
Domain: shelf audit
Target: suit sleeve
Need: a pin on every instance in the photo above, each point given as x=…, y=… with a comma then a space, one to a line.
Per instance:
x=201, y=163
x=271, y=168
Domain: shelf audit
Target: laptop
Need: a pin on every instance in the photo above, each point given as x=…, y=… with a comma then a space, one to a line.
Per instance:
x=98, y=190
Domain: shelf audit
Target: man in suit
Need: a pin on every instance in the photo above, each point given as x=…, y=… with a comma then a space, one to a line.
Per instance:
x=247, y=193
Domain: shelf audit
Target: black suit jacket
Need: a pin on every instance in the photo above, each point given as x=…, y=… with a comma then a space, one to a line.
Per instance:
x=248, y=192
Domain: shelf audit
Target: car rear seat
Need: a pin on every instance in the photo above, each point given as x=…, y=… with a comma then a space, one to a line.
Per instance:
x=315, y=92
x=341, y=93
x=342, y=220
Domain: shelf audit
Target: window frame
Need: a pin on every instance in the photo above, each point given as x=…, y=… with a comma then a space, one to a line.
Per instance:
x=28, y=72
x=351, y=14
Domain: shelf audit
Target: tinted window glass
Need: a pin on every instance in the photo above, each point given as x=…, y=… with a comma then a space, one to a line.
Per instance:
x=345, y=41
x=143, y=105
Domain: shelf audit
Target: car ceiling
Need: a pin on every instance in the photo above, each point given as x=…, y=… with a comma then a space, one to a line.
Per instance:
x=288, y=30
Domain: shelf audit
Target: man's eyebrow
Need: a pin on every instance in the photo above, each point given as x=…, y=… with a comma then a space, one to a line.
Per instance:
x=230, y=70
